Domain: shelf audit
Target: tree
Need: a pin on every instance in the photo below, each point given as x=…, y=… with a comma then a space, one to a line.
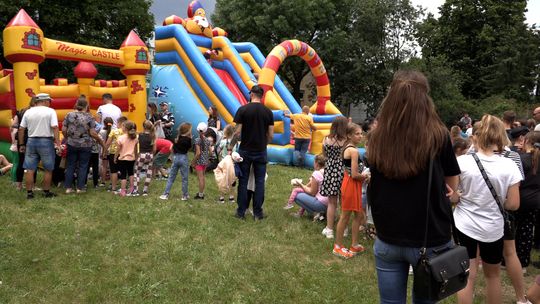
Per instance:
x=98, y=22
x=488, y=42
x=361, y=42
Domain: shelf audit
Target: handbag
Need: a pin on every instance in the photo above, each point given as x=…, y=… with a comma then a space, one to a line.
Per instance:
x=508, y=227
x=445, y=271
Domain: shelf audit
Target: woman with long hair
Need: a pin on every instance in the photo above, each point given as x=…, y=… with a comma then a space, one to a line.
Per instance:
x=409, y=135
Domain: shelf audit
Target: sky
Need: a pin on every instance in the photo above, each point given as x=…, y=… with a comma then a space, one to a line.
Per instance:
x=164, y=8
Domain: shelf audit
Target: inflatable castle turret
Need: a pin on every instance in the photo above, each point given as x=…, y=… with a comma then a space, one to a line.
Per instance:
x=25, y=55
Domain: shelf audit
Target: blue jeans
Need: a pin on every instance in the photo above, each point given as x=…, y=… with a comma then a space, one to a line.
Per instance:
x=300, y=148
x=392, y=263
x=180, y=162
x=77, y=157
x=39, y=148
x=258, y=160
x=310, y=203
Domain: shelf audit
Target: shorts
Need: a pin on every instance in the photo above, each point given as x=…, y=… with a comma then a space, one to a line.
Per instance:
x=113, y=167
x=160, y=159
x=126, y=168
x=39, y=148
x=200, y=168
x=491, y=253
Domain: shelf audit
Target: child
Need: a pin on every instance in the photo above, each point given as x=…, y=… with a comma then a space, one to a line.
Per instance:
x=223, y=145
x=351, y=194
x=112, y=148
x=182, y=145
x=163, y=149
x=308, y=196
x=93, y=162
x=333, y=173
x=104, y=134
x=200, y=161
x=460, y=146
x=126, y=154
x=147, y=148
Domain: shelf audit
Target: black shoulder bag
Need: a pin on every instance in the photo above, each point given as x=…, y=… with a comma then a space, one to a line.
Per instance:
x=445, y=271
x=508, y=227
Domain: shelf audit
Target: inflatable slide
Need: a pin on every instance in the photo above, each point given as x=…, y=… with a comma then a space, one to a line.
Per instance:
x=191, y=83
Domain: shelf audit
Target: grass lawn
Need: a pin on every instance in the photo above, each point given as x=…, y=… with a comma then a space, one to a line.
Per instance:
x=100, y=248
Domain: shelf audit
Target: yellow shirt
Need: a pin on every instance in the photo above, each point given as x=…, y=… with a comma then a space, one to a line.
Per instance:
x=303, y=124
x=115, y=133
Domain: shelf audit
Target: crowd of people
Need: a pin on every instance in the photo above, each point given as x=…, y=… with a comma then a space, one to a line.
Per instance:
x=484, y=187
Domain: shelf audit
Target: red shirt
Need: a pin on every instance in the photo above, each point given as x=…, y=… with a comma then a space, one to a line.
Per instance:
x=163, y=145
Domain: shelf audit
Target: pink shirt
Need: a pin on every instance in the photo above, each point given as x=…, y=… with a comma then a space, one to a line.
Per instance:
x=126, y=147
x=318, y=177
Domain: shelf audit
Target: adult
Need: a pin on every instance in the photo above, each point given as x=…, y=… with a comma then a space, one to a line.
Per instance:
x=479, y=222
x=153, y=114
x=78, y=129
x=399, y=179
x=167, y=120
x=42, y=125
x=536, y=117
x=303, y=126
x=508, y=118
x=466, y=120
x=255, y=124
x=529, y=195
x=108, y=109
x=213, y=118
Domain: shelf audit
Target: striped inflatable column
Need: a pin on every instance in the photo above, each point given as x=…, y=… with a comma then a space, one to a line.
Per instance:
x=308, y=54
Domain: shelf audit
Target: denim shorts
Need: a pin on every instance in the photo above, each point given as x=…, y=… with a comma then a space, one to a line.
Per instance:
x=160, y=159
x=39, y=148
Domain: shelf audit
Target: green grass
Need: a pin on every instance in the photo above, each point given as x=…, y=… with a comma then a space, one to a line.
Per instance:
x=99, y=248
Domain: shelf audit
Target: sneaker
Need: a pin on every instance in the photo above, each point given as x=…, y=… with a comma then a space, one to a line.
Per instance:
x=288, y=206
x=116, y=192
x=29, y=195
x=296, y=215
x=164, y=197
x=342, y=252
x=221, y=200
x=185, y=197
x=144, y=193
x=101, y=185
x=69, y=191
x=524, y=302
x=329, y=233
x=231, y=199
x=135, y=193
x=49, y=194
x=356, y=249
x=79, y=191
x=198, y=196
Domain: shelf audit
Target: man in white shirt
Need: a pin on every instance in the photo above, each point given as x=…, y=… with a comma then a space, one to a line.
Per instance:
x=42, y=124
x=536, y=117
x=108, y=109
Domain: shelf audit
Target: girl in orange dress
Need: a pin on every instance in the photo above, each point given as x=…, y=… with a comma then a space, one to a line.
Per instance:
x=351, y=194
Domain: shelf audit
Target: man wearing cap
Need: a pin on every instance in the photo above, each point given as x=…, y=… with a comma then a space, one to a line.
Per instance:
x=167, y=120
x=255, y=124
x=42, y=124
x=108, y=109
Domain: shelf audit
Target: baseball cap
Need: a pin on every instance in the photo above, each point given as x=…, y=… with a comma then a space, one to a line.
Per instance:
x=519, y=131
x=201, y=127
x=43, y=96
x=163, y=103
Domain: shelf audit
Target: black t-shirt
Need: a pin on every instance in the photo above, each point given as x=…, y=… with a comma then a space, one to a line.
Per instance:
x=399, y=206
x=182, y=145
x=255, y=119
x=529, y=189
x=145, y=143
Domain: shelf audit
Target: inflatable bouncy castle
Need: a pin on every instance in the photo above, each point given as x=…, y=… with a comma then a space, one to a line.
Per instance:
x=191, y=83
x=25, y=46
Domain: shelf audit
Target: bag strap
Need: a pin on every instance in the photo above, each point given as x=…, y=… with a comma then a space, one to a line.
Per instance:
x=430, y=175
x=490, y=186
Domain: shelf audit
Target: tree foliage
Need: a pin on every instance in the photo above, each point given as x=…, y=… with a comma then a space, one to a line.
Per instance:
x=361, y=42
x=100, y=23
x=489, y=43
